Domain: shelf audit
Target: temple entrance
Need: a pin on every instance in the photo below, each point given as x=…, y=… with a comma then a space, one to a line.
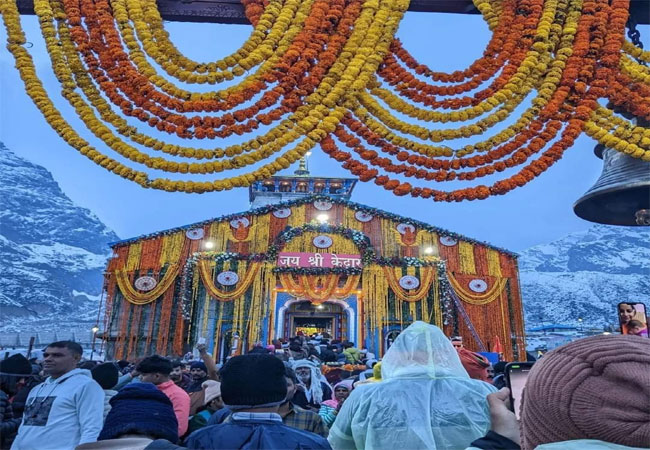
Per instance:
x=309, y=319
x=313, y=325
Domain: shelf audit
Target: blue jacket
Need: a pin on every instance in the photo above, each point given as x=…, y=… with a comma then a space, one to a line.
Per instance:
x=254, y=434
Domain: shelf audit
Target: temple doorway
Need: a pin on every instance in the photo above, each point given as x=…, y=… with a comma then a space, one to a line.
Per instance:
x=311, y=319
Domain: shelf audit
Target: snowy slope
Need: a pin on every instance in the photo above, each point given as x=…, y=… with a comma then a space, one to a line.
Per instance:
x=585, y=274
x=52, y=252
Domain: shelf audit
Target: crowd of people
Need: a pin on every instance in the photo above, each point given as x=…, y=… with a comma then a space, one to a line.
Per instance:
x=427, y=392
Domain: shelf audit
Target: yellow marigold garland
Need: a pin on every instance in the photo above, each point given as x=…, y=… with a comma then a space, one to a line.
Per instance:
x=139, y=59
x=143, y=298
x=478, y=299
x=427, y=276
x=262, y=41
x=349, y=84
x=248, y=273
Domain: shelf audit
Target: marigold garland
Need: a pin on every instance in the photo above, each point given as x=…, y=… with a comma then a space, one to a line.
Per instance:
x=249, y=274
x=325, y=69
x=473, y=298
x=142, y=298
x=427, y=277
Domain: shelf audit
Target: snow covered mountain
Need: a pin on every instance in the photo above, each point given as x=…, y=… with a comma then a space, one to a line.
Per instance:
x=52, y=252
x=584, y=275
x=52, y=255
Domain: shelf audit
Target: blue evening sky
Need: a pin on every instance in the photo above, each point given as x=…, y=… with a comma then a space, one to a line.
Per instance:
x=537, y=213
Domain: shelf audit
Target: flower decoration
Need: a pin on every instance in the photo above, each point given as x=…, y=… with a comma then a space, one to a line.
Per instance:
x=322, y=241
x=145, y=283
x=363, y=216
x=478, y=286
x=409, y=282
x=404, y=228
x=195, y=234
x=240, y=222
x=448, y=241
x=227, y=278
x=323, y=205
x=282, y=213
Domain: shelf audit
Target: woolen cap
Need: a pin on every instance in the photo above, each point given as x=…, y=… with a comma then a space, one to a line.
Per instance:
x=16, y=365
x=199, y=365
x=592, y=388
x=140, y=408
x=212, y=390
x=106, y=375
x=253, y=381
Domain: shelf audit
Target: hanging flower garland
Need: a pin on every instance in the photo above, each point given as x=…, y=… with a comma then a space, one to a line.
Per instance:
x=319, y=65
x=226, y=295
x=361, y=241
x=462, y=285
x=143, y=298
x=427, y=274
x=318, y=288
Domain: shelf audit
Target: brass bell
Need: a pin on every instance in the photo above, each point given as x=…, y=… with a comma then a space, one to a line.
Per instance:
x=621, y=196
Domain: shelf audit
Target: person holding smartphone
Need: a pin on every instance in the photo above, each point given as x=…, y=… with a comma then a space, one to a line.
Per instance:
x=589, y=394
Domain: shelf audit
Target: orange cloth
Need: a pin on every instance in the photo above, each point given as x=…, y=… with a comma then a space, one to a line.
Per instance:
x=475, y=364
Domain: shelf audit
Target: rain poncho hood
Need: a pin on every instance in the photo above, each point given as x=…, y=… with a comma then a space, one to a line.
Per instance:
x=425, y=399
x=353, y=355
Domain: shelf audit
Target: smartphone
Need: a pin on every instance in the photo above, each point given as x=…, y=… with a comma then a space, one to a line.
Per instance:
x=633, y=318
x=516, y=375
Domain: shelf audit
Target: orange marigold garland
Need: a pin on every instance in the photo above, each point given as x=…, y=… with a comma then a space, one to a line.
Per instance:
x=315, y=77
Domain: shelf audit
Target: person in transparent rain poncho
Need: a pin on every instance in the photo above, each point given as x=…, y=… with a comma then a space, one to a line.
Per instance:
x=425, y=400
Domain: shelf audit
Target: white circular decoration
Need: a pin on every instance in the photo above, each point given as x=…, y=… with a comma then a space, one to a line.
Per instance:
x=409, y=282
x=145, y=283
x=404, y=227
x=448, y=241
x=282, y=213
x=195, y=234
x=227, y=278
x=478, y=286
x=242, y=220
x=323, y=241
x=322, y=205
x=363, y=216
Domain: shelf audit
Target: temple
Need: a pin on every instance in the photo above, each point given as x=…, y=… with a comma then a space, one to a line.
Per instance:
x=306, y=258
x=290, y=187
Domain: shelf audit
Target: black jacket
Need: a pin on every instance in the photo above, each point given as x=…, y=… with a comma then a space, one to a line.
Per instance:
x=8, y=423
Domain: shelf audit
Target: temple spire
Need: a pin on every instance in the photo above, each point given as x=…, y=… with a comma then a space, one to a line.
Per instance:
x=302, y=170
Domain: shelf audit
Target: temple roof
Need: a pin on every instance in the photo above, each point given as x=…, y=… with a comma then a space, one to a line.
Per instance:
x=308, y=199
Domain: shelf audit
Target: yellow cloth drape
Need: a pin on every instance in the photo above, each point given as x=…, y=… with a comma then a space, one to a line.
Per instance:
x=142, y=298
